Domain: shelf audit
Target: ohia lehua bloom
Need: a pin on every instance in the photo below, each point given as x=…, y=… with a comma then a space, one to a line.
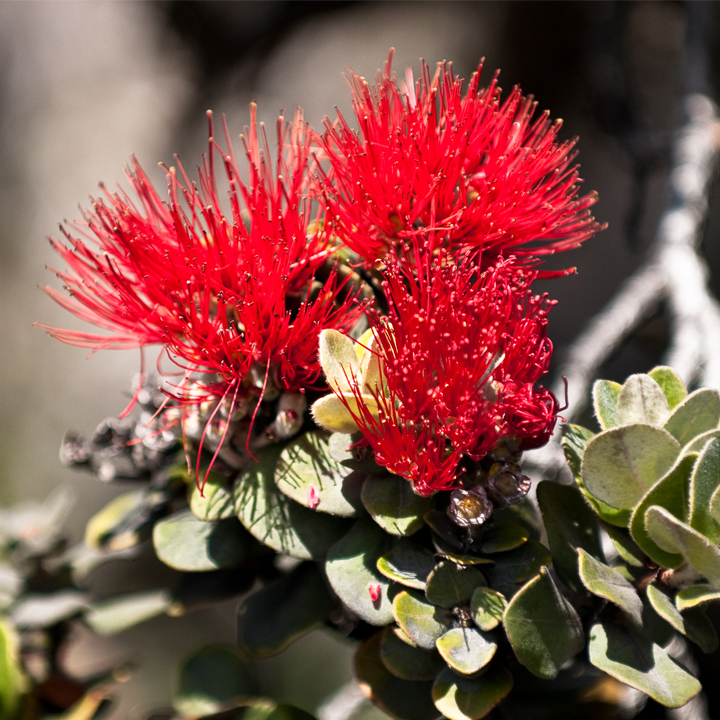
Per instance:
x=466, y=170
x=449, y=372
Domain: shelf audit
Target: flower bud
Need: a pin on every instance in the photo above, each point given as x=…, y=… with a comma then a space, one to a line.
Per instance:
x=507, y=485
x=469, y=507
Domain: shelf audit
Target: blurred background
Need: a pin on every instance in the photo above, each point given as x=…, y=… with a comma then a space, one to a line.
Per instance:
x=84, y=85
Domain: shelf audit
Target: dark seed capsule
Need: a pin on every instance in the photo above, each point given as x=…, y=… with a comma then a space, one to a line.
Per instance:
x=507, y=485
x=469, y=507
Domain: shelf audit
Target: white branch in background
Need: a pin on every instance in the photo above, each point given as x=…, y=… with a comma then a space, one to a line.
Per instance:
x=674, y=271
x=343, y=703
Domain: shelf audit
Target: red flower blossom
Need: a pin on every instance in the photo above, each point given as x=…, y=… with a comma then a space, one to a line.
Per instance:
x=469, y=171
x=221, y=292
x=459, y=353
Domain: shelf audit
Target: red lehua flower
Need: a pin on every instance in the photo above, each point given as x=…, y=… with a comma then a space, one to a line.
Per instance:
x=459, y=353
x=469, y=171
x=222, y=292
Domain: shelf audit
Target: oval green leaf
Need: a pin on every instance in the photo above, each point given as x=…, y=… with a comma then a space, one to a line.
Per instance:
x=351, y=568
x=111, y=616
x=543, y=627
x=394, y=505
x=308, y=474
x=501, y=538
x=276, y=520
x=696, y=596
x=622, y=464
x=570, y=524
x=461, y=698
x=671, y=383
x=632, y=659
x=704, y=483
x=407, y=563
x=14, y=684
x=605, y=398
x=675, y=536
x=422, y=622
x=450, y=585
x=185, y=543
x=215, y=502
x=641, y=400
x=487, y=607
x=605, y=582
x=400, y=699
x=698, y=413
x=670, y=492
x=693, y=623
x=407, y=661
x=209, y=679
x=466, y=650
x=274, y=617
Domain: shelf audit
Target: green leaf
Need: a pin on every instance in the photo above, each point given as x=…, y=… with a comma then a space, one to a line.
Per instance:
x=694, y=624
x=449, y=584
x=501, y=538
x=605, y=398
x=461, y=698
x=670, y=492
x=14, y=684
x=671, y=383
x=574, y=442
x=698, y=443
x=126, y=520
x=466, y=650
x=407, y=563
x=43, y=610
x=605, y=582
x=338, y=449
x=422, y=622
x=570, y=524
x=351, y=568
x=407, y=661
x=641, y=400
x=675, y=536
x=696, y=414
x=276, y=520
x=518, y=566
x=632, y=659
x=524, y=514
x=265, y=709
x=196, y=590
x=622, y=464
x=487, y=607
x=400, y=699
x=704, y=482
x=215, y=502
x=625, y=546
x=209, y=678
x=543, y=627
x=274, y=617
x=306, y=473
x=448, y=552
x=394, y=505
x=185, y=543
x=339, y=360
x=111, y=616
x=655, y=628
x=696, y=596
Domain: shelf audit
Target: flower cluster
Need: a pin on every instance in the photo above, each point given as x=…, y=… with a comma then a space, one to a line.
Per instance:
x=446, y=200
x=223, y=294
x=458, y=355
x=471, y=171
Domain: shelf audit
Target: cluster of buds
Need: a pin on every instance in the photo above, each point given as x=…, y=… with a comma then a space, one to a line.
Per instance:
x=422, y=229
